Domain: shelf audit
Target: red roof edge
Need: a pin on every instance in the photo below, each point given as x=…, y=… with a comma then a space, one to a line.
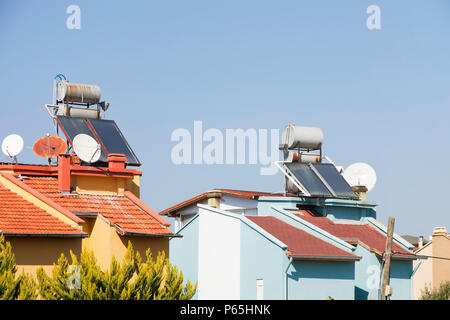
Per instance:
x=45, y=170
x=184, y=203
x=146, y=208
x=230, y=192
x=42, y=197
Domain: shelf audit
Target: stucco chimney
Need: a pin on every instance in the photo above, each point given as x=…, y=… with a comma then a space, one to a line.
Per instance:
x=214, y=199
x=440, y=231
x=64, y=172
x=116, y=161
x=361, y=191
x=420, y=242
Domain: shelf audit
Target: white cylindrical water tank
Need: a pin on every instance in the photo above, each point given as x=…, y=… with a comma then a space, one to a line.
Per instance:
x=295, y=137
x=76, y=92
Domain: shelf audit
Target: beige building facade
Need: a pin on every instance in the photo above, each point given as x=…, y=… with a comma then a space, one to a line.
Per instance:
x=434, y=267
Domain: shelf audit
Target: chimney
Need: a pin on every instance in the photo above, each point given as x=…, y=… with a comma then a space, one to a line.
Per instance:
x=64, y=172
x=439, y=231
x=116, y=161
x=361, y=191
x=420, y=242
x=214, y=199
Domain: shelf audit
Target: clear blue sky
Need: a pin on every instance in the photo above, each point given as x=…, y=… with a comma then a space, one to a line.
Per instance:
x=381, y=97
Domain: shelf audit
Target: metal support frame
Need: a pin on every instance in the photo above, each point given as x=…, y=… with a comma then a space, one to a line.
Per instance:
x=290, y=175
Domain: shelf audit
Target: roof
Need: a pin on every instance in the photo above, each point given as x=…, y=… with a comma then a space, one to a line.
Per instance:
x=228, y=192
x=414, y=240
x=21, y=217
x=128, y=214
x=352, y=233
x=301, y=245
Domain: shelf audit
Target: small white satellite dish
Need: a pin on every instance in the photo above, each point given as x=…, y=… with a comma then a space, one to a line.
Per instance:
x=86, y=148
x=12, y=145
x=360, y=174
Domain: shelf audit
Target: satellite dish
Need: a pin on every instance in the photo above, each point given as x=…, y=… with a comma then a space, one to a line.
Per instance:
x=49, y=147
x=361, y=174
x=12, y=145
x=86, y=148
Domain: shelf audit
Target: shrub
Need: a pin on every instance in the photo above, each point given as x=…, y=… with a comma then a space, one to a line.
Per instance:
x=21, y=288
x=134, y=279
x=441, y=293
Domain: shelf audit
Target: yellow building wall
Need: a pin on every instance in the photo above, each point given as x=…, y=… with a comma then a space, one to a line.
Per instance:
x=106, y=242
x=134, y=185
x=105, y=185
x=94, y=184
x=34, y=252
x=141, y=244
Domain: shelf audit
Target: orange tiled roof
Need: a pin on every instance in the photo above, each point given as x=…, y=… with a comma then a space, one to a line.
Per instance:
x=21, y=217
x=119, y=210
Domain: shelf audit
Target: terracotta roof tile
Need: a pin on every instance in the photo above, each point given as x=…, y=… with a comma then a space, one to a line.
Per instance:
x=117, y=209
x=19, y=216
x=299, y=242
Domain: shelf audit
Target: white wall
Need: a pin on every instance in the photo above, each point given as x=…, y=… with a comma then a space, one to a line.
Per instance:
x=218, y=256
x=234, y=204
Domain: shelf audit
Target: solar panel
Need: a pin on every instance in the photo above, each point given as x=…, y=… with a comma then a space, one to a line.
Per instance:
x=106, y=132
x=335, y=180
x=306, y=176
x=113, y=140
x=73, y=126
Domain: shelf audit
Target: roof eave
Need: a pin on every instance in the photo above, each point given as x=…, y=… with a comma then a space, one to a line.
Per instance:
x=324, y=257
x=46, y=235
x=152, y=235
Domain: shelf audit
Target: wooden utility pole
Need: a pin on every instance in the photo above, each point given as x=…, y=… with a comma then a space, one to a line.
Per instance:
x=387, y=260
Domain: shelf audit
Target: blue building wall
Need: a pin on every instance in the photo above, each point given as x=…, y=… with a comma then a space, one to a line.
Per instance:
x=367, y=272
x=184, y=252
x=402, y=287
x=261, y=259
x=367, y=275
x=320, y=280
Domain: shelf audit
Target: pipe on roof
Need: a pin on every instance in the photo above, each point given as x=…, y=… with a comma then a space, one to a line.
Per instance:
x=416, y=268
x=286, y=278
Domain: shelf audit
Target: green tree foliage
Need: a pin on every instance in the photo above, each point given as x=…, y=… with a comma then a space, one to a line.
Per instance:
x=133, y=279
x=21, y=288
x=441, y=293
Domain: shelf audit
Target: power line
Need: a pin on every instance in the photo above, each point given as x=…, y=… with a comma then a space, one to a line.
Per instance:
x=432, y=257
